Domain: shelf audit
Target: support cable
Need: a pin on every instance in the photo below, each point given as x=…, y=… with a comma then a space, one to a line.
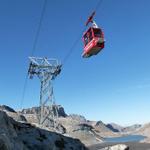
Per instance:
x=78, y=38
x=39, y=28
x=33, y=49
x=72, y=48
x=36, y=40
x=98, y=5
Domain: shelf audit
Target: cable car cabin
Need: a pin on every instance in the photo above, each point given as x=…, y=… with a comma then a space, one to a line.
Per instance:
x=93, y=41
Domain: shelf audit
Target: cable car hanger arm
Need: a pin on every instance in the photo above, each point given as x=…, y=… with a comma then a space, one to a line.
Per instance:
x=90, y=20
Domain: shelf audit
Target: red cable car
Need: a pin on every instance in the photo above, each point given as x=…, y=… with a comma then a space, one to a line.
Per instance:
x=93, y=39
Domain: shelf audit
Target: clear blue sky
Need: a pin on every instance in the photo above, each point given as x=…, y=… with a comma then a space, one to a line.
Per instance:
x=113, y=86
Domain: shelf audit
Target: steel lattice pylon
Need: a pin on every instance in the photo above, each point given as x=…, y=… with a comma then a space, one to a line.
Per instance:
x=46, y=70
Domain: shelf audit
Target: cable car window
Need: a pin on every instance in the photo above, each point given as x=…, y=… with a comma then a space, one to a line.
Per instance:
x=90, y=35
x=97, y=32
x=85, y=39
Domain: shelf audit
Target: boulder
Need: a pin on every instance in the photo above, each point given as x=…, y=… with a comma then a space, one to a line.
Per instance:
x=116, y=147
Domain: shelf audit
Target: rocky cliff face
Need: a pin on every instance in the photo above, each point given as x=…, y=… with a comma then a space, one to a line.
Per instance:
x=145, y=131
x=104, y=130
x=36, y=110
x=23, y=136
x=79, y=118
x=115, y=127
x=76, y=126
x=7, y=109
x=132, y=128
x=129, y=129
x=12, y=113
x=31, y=115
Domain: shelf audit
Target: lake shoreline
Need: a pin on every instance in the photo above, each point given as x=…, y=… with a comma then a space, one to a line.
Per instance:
x=125, y=138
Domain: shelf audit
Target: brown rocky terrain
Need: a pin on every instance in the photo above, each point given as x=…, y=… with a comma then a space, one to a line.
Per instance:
x=76, y=126
x=24, y=136
x=80, y=129
x=103, y=130
x=68, y=127
x=12, y=113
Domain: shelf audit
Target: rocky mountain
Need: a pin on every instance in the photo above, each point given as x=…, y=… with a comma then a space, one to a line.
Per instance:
x=73, y=125
x=115, y=127
x=100, y=126
x=70, y=126
x=145, y=131
x=31, y=115
x=79, y=118
x=7, y=109
x=129, y=129
x=24, y=136
x=12, y=113
x=78, y=128
x=132, y=128
x=36, y=110
x=89, y=132
x=103, y=130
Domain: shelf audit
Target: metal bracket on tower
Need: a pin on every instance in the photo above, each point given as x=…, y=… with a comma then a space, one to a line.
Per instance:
x=46, y=70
